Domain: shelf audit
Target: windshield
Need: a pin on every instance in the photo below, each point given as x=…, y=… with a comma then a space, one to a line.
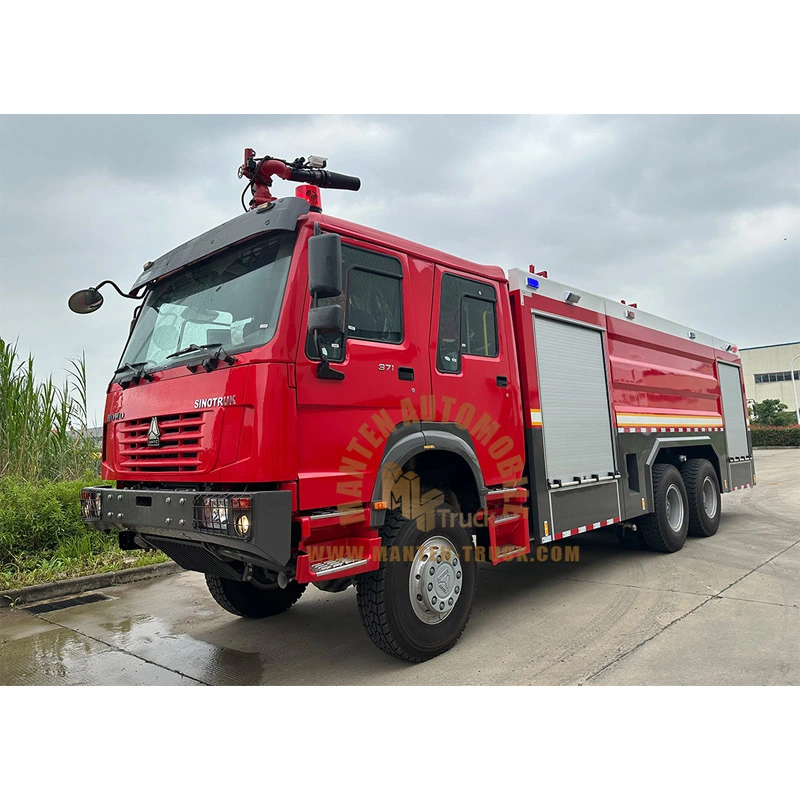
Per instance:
x=232, y=300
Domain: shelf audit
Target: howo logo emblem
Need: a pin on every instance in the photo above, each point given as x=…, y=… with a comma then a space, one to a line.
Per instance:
x=443, y=581
x=154, y=434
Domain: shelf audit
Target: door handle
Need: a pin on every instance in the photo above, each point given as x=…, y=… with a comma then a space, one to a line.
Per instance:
x=502, y=380
x=405, y=373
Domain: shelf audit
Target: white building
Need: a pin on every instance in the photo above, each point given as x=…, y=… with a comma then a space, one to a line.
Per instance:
x=768, y=372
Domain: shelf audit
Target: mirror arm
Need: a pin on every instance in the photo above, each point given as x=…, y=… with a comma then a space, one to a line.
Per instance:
x=326, y=372
x=119, y=291
x=324, y=369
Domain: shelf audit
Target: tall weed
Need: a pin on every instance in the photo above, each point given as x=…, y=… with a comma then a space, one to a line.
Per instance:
x=43, y=427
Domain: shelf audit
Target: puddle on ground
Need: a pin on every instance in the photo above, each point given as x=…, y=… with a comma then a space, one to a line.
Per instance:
x=56, y=656
x=60, y=656
x=153, y=638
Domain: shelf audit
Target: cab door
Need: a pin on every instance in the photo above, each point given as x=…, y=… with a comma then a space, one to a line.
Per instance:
x=343, y=425
x=473, y=376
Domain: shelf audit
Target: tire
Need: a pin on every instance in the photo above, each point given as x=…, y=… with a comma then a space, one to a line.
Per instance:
x=396, y=601
x=245, y=600
x=665, y=529
x=702, y=488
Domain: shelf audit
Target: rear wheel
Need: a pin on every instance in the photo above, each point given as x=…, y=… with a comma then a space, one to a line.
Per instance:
x=417, y=608
x=246, y=600
x=702, y=488
x=665, y=529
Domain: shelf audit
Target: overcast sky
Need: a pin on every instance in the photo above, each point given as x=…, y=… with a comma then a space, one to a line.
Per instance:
x=695, y=218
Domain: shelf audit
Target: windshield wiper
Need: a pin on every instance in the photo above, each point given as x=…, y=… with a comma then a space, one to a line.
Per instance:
x=210, y=363
x=192, y=347
x=127, y=366
x=138, y=374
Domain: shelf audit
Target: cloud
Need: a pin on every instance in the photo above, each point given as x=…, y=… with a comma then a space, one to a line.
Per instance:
x=696, y=217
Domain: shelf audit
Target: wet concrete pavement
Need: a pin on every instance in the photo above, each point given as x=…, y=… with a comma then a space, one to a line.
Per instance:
x=724, y=610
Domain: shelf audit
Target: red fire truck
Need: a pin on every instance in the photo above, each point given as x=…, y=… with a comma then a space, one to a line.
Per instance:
x=304, y=400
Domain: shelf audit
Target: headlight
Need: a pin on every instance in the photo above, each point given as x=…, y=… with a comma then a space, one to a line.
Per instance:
x=90, y=504
x=241, y=514
x=242, y=524
x=225, y=515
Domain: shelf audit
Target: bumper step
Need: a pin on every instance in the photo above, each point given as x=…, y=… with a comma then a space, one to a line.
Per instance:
x=334, y=565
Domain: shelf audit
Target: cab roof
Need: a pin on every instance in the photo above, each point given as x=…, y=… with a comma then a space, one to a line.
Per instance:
x=284, y=214
x=388, y=240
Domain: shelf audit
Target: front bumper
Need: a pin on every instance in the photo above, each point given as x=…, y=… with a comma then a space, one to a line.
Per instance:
x=205, y=518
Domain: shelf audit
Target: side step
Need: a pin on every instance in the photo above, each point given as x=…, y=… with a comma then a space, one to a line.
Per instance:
x=508, y=537
x=506, y=552
x=334, y=565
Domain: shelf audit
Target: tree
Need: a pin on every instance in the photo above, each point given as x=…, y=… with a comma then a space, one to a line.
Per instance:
x=770, y=412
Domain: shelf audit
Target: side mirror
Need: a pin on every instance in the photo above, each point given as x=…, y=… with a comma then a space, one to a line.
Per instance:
x=85, y=301
x=326, y=319
x=325, y=265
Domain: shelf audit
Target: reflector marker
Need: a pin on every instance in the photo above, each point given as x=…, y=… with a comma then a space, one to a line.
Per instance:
x=668, y=430
x=745, y=486
x=582, y=529
x=536, y=417
x=685, y=421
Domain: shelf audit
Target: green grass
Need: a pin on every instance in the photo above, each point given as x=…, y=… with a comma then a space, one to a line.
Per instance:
x=80, y=557
x=43, y=539
x=45, y=459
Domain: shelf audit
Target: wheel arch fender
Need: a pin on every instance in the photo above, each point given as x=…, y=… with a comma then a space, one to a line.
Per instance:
x=671, y=450
x=421, y=443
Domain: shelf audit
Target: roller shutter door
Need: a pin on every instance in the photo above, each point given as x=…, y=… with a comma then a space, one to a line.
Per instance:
x=576, y=420
x=733, y=410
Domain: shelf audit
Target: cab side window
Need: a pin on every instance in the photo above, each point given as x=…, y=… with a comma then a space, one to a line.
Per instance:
x=373, y=301
x=467, y=322
x=374, y=293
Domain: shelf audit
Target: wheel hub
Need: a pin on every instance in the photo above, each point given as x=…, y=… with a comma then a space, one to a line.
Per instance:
x=673, y=508
x=709, y=498
x=436, y=579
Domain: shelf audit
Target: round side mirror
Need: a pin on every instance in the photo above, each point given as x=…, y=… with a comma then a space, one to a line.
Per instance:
x=85, y=301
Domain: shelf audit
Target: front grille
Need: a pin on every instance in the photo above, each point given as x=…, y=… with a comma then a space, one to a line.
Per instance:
x=179, y=449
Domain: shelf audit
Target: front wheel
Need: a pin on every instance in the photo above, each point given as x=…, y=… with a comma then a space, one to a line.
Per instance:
x=416, y=605
x=247, y=600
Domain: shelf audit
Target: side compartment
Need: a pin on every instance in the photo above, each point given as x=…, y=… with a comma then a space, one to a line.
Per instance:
x=666, y=400
x=581, y=472
x=739, y=461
